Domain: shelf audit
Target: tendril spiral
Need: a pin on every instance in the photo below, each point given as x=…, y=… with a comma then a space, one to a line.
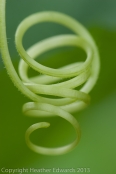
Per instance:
x=70, y=100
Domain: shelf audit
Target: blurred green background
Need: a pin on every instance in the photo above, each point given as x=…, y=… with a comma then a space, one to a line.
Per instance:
x=97, y=148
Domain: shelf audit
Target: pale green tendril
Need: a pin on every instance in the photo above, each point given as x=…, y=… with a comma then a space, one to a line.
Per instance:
x=81, y=73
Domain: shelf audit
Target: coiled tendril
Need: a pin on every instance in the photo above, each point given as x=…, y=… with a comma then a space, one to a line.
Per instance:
x=80, y=73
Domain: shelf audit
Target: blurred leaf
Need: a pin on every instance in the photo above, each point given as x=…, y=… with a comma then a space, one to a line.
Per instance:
x=96, y=149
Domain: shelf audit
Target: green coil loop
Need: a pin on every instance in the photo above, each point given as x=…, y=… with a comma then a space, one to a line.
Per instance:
x=71, y=100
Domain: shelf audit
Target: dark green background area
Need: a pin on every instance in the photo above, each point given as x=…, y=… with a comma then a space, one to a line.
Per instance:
x=97, y=148
x=88, y=12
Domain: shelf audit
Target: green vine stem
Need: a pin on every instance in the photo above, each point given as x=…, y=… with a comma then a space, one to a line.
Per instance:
x=71, y=100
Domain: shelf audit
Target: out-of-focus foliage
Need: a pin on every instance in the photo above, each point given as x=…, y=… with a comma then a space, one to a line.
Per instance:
x=96, y=149
x=88, y=12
